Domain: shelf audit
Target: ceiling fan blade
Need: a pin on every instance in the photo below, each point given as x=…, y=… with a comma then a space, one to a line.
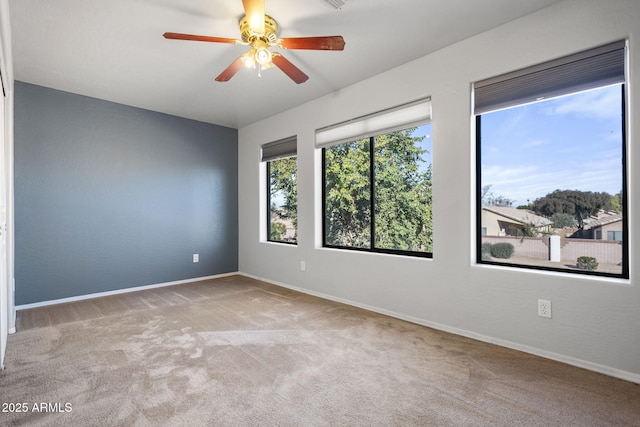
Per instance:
x=231, y=70
x=254, y=10
x=313, y=43
x=179, y=36
x=289, y=69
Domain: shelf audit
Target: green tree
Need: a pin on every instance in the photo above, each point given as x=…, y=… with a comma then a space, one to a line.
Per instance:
x=283, y=185
x=616, y=202
x=528, y=230
x=562, y=220
x=278, y=230
x=580, y=204
x=402, y=193
x=347, y=194
x=402, y=200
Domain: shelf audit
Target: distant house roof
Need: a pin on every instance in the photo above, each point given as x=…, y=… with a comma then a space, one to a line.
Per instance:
x=602, y=218
x=519, y=215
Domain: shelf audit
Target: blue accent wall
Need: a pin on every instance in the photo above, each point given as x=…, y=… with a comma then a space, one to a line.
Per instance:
x=109, y=196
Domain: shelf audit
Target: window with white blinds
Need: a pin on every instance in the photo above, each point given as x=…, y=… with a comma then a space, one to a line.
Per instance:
x=392, y=119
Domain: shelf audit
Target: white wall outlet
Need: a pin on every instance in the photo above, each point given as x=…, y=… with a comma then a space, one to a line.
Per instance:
x=544, y=308
x=196, y=257
x=303, y=266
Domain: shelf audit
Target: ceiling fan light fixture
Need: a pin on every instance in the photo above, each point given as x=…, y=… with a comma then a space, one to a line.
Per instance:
x=263, y=56
x=249, y=59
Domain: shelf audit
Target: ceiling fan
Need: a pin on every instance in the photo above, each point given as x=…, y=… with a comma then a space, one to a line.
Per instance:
x=260, y=31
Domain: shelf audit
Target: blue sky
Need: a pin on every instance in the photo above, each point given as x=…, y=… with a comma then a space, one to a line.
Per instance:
x=567, y=143
x=425, y=130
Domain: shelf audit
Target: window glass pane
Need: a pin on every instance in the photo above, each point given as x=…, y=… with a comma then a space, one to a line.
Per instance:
x=402, y=195
x=348, y=194
x=554, y=168
x=283, y=200
x=377, y=193
x=614, y=235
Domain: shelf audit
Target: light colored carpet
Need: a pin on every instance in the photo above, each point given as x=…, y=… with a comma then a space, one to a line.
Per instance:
x=236, y=351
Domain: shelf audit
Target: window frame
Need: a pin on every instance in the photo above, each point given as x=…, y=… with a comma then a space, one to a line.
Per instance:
x=624, y=274
x=372, y=227
x=268, y=219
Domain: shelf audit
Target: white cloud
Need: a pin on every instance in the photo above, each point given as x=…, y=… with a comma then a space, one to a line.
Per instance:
x=602, y=103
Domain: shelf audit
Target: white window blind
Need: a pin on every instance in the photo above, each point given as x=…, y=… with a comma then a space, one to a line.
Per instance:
x=585, y=70
x=281, y=149
x=389, y=120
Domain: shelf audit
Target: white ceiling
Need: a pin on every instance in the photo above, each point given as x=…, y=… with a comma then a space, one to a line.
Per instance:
x=114, y=49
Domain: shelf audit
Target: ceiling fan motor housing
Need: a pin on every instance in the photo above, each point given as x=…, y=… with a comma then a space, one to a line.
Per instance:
x=270, y=35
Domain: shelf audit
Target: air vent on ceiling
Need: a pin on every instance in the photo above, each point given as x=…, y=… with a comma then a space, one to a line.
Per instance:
x=336, y=4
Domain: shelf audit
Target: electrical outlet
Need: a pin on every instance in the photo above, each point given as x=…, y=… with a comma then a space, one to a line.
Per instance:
x=544, y=308
x=303, y=266
x=196, y=257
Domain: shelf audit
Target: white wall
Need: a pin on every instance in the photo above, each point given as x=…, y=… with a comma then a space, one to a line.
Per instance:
x=595, y=321
x=7, y=310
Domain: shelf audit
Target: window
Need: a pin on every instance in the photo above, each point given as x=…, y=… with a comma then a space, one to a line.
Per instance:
x=377, y=188
x=282, y=190
x=614, y=235
x=550, y=142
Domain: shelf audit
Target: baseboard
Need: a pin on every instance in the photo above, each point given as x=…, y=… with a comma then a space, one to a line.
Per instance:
x=584, y=364
x=120, y=291
x=12, y=324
